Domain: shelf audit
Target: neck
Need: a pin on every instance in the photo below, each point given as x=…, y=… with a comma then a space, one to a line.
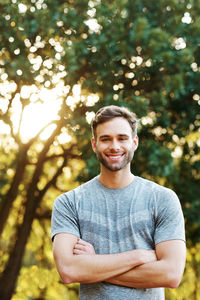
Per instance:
x=115, y=179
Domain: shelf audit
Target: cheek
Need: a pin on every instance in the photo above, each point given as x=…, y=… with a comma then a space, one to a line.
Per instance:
x=101, y=148
x=131, y=148
x=97, y=148
x=128, y=146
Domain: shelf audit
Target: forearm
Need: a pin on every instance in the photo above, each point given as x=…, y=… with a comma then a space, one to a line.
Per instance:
x=149, y=275
x=94, y=268
x=76, y=260
x=101, y=267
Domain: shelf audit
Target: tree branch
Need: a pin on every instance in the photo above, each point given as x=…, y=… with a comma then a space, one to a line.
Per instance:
x=52, y=181
x=31, y=141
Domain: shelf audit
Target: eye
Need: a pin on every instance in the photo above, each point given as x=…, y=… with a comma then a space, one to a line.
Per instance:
x=123, y=138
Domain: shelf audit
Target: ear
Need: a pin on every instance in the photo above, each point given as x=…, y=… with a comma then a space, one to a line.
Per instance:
x=93, y=142
x=135, y=142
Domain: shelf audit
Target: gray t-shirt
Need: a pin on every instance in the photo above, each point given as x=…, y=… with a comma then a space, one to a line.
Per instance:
x=138, y=216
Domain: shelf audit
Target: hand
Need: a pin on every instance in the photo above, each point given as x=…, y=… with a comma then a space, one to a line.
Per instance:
x=147, y=255
x=81, y=248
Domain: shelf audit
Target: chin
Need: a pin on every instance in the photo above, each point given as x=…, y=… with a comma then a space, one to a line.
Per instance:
x=115, y=168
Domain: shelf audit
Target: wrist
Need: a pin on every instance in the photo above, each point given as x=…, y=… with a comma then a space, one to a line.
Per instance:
x=133, y=258
x=137, y=257
x=141, y=256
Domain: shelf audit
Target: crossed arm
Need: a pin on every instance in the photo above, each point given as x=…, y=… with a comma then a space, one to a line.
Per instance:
x=167, y=271
x=76, y=261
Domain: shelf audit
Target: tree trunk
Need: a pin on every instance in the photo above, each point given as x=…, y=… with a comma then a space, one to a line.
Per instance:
x=33, y=198
x=10, y=274
x=12, y=192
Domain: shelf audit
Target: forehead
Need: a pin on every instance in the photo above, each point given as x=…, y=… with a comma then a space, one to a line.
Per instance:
x=113, y=127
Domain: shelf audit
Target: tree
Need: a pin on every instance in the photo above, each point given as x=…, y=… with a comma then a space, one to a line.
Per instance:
x=26, y=61
x=140, y=54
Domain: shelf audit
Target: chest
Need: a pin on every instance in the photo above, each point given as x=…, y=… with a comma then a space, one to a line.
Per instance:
x=116, y=223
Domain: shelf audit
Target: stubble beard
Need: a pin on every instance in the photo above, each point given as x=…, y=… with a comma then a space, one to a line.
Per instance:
x=114, y=167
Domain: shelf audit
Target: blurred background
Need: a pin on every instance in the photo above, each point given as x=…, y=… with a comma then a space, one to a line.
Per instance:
x=60, y=61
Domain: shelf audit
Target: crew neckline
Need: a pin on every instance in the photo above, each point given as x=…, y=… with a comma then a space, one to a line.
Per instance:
x=116, y=190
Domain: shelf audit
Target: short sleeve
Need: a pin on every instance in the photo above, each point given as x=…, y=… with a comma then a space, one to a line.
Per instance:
x=169, y=217
x=64, y=217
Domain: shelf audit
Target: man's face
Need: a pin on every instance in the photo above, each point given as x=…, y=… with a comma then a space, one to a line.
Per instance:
x=114, y=144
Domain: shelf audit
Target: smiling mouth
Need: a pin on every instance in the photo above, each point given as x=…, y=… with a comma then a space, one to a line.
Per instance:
x=114, y=157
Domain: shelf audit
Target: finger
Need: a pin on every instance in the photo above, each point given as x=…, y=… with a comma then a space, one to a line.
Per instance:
x=78, y=252
x=79, y=247
x=82, y=242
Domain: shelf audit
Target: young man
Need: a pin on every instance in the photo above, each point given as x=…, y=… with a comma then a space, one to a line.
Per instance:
x=119, y=235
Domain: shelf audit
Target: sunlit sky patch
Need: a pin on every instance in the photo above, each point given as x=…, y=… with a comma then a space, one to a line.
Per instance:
x=93, y=25
x=187, y=18
x=42, y=110
x=36, y=115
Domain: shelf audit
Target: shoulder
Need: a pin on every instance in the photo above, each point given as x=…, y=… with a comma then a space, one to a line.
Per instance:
x=76, y=194
x=158, y=191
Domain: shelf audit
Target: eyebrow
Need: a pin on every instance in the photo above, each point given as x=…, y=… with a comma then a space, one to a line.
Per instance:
x=106, y=135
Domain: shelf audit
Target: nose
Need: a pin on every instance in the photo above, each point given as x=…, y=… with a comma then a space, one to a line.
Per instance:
x=114, y=146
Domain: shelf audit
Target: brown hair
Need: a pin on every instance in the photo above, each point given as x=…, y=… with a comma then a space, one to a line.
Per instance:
x=107, y=113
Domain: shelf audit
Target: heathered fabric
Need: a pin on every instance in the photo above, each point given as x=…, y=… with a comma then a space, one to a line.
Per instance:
x=138, y=216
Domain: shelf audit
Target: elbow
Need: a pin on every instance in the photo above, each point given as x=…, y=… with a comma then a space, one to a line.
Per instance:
x=173, y=280
x=71, y=276
x=68, y=279
x=173, y=284
x=68, y=275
